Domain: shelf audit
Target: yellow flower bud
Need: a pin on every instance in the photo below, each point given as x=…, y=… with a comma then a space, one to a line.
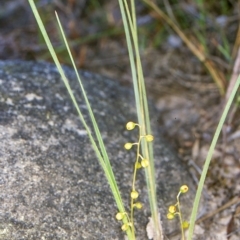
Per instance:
x=119, y=216
x=125, y=227
x=130, y=126
x=170, y=216
x=138, y=165
x=128, y=146
x=134, y=194
x=183, y=188
x=185, y=224
x=172, y=209
x=144, y=163
x=138, y=205
x=149, y=138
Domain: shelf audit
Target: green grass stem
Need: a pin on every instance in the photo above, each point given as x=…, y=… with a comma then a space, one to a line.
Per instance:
x=130, y=27
x=208, y=160
x=99, y=150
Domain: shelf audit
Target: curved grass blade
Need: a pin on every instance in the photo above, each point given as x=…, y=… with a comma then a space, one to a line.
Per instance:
x=101, y=154
x=208, y=160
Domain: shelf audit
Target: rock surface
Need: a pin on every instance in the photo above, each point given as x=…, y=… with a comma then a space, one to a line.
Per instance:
x=51, y=185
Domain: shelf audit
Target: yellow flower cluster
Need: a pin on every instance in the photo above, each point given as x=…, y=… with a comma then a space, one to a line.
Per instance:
x=174, y=210
x=140, y=162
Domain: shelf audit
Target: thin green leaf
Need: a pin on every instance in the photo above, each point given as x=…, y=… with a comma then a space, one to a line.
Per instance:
x=129, y=21
x=103, y=158
x=208, y=160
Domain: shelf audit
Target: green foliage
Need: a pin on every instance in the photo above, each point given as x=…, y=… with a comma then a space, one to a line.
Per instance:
x=208, y=159
x=144, y=158
x=130, y=26
x=98, y=148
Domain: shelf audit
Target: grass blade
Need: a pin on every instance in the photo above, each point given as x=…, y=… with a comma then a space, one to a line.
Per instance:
x=130, y=27
x=101, y=154
x=208, y=159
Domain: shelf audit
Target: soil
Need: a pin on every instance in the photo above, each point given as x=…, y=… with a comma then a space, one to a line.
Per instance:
x=187, y=100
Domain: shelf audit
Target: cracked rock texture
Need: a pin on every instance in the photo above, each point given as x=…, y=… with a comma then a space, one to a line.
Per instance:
x=51, y=184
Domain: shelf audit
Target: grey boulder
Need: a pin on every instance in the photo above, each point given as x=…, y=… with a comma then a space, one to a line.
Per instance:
x=51, y=184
